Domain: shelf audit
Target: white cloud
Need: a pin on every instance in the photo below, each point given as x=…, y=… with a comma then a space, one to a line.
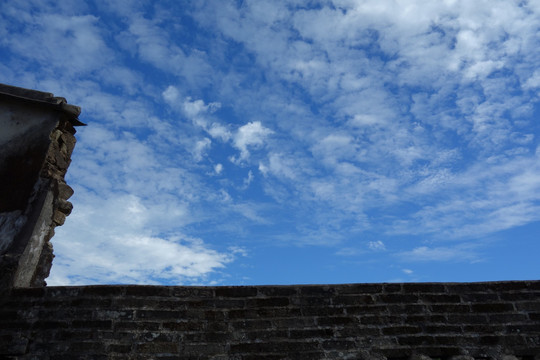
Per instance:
x=170, y=94
x=218, y=168
x=438, y=254
x=376, y=245
x=200, y=148
x=251, y=135
x=122, y=248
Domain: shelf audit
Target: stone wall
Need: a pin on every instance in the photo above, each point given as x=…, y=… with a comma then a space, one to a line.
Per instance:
x=36, y=142
x=494, y=320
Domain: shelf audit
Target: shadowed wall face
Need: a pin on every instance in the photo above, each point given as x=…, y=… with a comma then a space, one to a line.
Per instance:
x=36, y=143
x=485, y=321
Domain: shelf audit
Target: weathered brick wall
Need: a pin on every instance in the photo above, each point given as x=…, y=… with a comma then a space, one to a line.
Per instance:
x=358, y=321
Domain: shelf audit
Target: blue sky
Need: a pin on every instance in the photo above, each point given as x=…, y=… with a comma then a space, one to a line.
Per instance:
x=285, y=142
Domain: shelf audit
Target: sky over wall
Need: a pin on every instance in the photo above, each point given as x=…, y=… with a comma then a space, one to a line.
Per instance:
x=258, y=142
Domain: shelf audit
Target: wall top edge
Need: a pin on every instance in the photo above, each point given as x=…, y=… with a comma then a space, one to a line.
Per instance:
x=406, y=284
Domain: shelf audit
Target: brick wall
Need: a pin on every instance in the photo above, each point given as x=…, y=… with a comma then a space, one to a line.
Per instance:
x=493, y=320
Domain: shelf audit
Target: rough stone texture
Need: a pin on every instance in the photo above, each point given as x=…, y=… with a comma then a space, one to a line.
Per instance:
x=460, y=321
x=36, y=143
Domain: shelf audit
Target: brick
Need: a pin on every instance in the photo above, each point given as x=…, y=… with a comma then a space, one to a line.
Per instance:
x=278, y=291
x=207, y=337
x=158, y=347
x=507, y=318
x=116, y=336
x=73, y=335
x=480, y=297
x=366, y=309
x=392, y=288
x=279, y=347
x=251, y=324
x=488, y=328
x=92, y=303
x=311, y=333
x=440, y=298
x=519, y=296
x=225, y=303
x=339, y=344
x=317, y=291
x=358, y=331
x=59, y=292
x=505, y=286
x=450, y=308
x=448, y=340
x=86, y=347
x=192, y=292
x=92, y=324
x=353, y=300
x=240, y=291
x=492, y=307
x=322, y=311
x=263, y=357
x=406, y=309
x=147, y=291
x=395, y=352
x=268, y=302
x=101, y=290
x=468, y=288
x=119, y=348
x=489, y=340
x=397, y=298
x=160, y=314
x=527, y=328
x=423, y=288
x=416, y=340
x=48, y=325
x=136, y=325
x=279, y=312
x=528, y=306
x=265, y=335
x=335, y=321
x=515, y=340
x=156, y=336
x=397, y=330
x=442, y=329
x=114, y=314
x=183, y=326
x=214, y=315
x=195, y=314
x=359, y=289
x=292, y=323
x=311, y=301
x=467, y=319
x=243, y=314
x=380, y=320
